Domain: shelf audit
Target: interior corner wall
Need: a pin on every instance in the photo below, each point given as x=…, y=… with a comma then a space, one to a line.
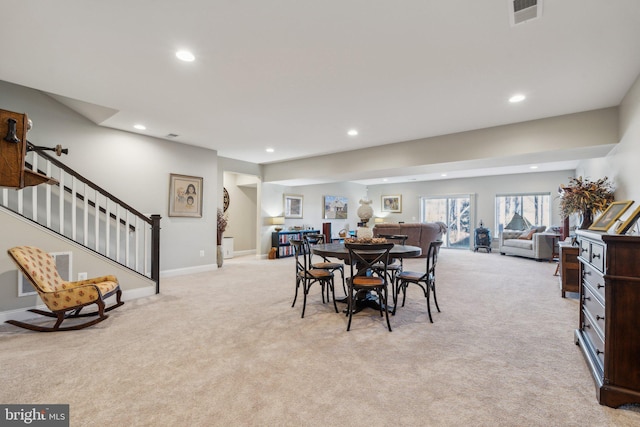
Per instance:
x=133, y=167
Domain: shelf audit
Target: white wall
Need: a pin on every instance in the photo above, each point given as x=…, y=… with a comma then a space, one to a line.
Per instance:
x=132, y=167
x=312, y=210
x=622, y=163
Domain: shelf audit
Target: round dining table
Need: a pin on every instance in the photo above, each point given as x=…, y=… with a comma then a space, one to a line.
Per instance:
x=337, y=250
x=364, y=299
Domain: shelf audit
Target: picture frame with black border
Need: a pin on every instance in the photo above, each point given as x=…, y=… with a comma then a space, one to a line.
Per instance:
x=629, y=222
x=610, y=215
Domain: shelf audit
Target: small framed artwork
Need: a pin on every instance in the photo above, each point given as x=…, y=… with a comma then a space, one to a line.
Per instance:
x=335, y=207
x=293, y=205
x=629, y=222
x=185, y=196
x=610, y=215
x=392, y=204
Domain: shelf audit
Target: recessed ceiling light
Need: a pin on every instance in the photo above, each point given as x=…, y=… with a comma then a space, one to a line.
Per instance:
x=140, y=127
x=533, y=167
x=443, y=174
x=384, y=180
x=517, y=98
x=185, y=55
x=352, y=132
x=270, y=150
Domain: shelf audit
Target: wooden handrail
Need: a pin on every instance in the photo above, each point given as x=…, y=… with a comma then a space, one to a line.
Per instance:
x=92, y=185
x=153, y=220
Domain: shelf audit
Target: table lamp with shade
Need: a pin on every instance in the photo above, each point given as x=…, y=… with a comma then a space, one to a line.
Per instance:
x=278, y=221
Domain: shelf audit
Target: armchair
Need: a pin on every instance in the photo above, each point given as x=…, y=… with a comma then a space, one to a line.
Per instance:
x=64, y=299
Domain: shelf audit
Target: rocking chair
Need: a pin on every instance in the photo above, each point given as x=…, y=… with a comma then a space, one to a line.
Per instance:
x=64, y=299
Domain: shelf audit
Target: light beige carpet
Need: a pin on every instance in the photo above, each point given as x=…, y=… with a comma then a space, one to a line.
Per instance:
x=226, y=348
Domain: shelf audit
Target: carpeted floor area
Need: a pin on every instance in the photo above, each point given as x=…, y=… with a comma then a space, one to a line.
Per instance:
x=226, y=348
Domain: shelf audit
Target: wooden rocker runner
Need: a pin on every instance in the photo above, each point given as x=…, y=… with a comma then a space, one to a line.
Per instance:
x=64, y=299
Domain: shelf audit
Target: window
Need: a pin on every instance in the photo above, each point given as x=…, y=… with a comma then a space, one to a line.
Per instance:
x=535, y=209
x=455, y=211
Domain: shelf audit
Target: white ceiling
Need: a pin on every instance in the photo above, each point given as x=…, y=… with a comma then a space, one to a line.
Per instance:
x=296, y=75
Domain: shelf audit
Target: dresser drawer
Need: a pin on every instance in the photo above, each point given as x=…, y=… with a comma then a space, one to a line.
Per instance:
x=597, y=256
x=592, y=306
x=595, y=279
x=594, y=340
x=585, y=253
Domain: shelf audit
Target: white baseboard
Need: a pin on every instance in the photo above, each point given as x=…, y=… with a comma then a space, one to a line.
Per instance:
x=22, y=314
x=187, y=270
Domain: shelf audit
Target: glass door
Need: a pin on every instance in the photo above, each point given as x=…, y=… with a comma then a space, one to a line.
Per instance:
x=455, y=211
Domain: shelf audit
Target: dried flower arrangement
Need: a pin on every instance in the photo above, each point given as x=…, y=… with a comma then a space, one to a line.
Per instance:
x=370, y=240
x=222, y=224
x=585, y=196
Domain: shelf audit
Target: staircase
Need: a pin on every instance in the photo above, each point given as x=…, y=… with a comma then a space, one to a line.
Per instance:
x=81, y=211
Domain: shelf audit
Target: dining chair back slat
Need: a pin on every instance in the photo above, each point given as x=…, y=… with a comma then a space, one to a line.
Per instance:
x=368, y=263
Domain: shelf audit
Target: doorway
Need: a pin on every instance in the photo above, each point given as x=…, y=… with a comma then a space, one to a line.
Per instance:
x=455, y=211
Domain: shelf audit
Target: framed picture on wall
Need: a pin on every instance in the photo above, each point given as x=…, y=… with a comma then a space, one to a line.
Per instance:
x=293, y=205
x=392, y=204
x=185, y=196
x=335, y=207
x=610, y=215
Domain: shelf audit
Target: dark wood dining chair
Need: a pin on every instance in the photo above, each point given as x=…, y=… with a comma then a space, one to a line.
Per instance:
x=307, y=276
x=326, y=263
x=395, y=264
x=425, y=280
x=365, y=277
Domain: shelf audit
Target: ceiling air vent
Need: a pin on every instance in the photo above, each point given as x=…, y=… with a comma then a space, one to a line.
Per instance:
x=524, y=10
x=172, y=135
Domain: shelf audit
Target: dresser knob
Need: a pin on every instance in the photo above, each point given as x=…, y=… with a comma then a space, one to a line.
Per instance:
x=587, y=273
x=584, y=250
x=598, y=317
x=600, y=286
x=598, y=351
x=585, y=325
x=596, y=256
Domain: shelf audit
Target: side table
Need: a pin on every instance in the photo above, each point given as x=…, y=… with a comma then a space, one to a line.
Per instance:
x=569, y=268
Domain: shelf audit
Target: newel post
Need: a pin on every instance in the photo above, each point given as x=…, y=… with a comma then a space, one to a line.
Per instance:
x=155, y=250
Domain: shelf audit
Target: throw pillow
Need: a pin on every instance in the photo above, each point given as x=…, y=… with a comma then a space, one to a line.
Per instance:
x=527, y=235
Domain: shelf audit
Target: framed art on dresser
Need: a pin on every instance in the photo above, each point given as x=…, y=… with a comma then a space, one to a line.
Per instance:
x=610, y=215
x=629, y=222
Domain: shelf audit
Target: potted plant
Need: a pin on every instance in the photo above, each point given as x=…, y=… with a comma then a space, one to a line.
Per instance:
x=585, y=197
x=222, y=225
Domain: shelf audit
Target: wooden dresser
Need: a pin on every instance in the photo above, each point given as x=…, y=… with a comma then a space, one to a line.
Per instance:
x=609, y=329
x=569, y=268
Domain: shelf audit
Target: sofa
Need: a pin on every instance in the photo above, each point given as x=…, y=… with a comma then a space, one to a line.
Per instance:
x=531, y=243
x=417, y=234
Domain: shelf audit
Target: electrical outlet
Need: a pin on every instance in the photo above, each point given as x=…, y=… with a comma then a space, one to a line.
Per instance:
x=202, y=253
x=82, y=276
